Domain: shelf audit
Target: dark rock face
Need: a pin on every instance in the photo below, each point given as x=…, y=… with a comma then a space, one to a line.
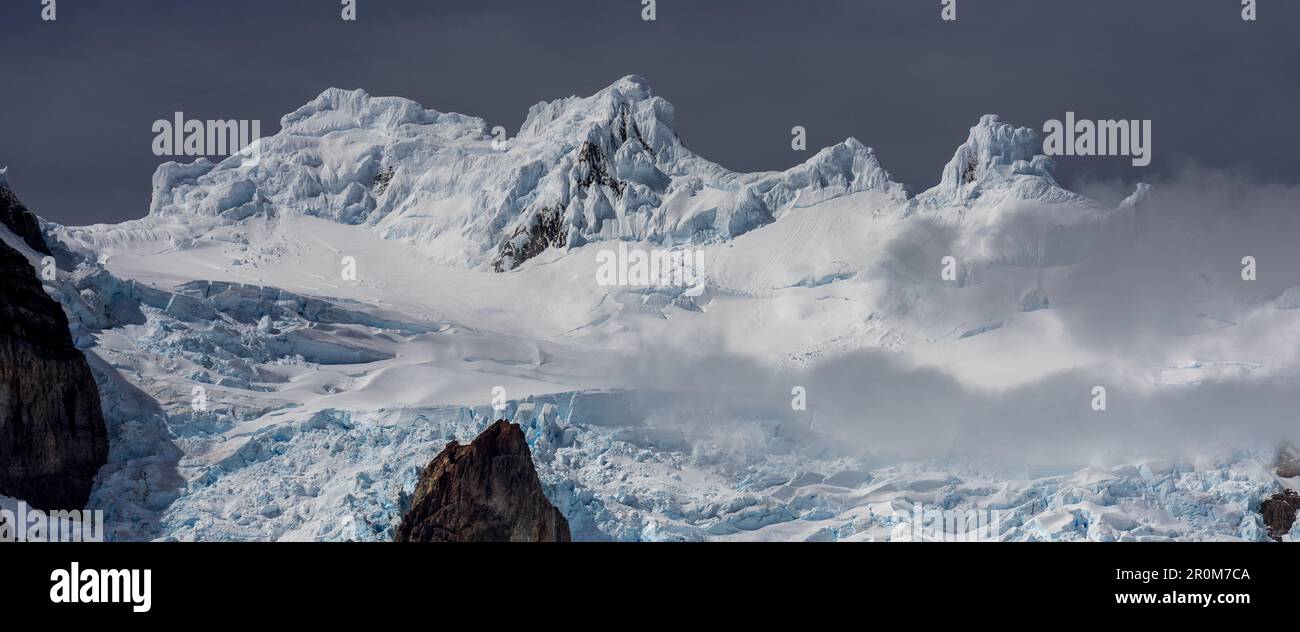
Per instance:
x=52, y=434
x=21, y=221
x=487, y=491
x=1279, y=513
x=541, y=231
x=593, y=174
x=593, y=168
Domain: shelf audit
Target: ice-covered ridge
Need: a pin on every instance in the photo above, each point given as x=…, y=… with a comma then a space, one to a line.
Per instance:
x=608, y=166
x=580, y=170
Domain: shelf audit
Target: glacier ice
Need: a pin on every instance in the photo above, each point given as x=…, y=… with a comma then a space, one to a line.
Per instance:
x=252, y=394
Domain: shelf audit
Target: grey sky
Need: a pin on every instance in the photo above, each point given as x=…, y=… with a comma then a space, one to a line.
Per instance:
x=81, y=94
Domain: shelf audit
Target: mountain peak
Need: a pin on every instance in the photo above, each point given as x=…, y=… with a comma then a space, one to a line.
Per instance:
x=1001, y=159
x=632, y=86
x=846, y=167
x=630, y=95
x=337, y=108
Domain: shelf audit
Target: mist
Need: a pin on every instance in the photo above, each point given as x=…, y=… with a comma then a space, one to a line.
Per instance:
x=1151, y=286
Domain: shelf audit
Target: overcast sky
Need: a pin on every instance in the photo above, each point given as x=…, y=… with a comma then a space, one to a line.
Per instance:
x=80, y=94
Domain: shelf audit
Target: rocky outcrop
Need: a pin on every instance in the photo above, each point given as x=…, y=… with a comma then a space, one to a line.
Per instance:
x=21, y=221
x=52, y=434
x=487, y=491
x=1280, y=513
x=532, y=238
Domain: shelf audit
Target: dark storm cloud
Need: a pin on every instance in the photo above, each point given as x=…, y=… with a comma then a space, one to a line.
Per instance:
x=80, y=94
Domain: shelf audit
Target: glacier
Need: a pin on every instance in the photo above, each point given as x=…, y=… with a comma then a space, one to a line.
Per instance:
x=255, y=394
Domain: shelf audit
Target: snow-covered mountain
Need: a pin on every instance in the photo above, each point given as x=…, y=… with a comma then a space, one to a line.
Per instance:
x=254, y=392
x=609, y=166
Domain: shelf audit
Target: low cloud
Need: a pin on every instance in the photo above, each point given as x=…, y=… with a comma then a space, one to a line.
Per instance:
x=883, y=405
x=1149, y=283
